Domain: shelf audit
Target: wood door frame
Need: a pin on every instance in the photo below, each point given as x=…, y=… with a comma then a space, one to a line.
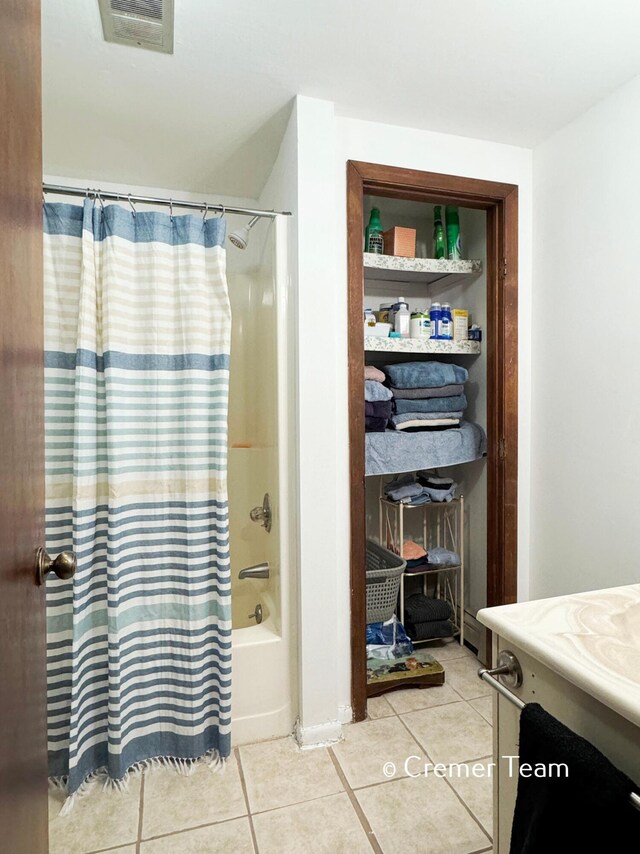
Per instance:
x=500, y=201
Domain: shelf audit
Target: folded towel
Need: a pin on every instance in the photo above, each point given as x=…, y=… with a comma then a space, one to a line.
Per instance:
x=415, y=425
x=432, y=404
x=378, y=408
x=412, y=550
x=399, y=418
x=418, y=393
x=421, y=609
x=401, y=488
x=443, y=557
x=438, y=488
x=586, y=810
x=430, y=630
x=425, y=374
x=375, y=425
x=417, y=500
x=371, y=373
x=376, y=391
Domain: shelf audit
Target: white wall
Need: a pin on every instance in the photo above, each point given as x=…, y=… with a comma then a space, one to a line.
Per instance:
x=325, y=143
x=586, y=311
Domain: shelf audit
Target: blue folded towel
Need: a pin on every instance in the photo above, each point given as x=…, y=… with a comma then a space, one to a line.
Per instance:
x=443, y=557
x=425, y=374
x=432, y=404
x=376, y=391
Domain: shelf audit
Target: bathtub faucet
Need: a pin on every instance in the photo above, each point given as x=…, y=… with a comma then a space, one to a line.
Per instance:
x=260, y=570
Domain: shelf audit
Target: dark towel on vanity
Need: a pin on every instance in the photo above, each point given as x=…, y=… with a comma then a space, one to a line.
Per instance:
x=429, y=630
x=418, y=608
x=588, y=811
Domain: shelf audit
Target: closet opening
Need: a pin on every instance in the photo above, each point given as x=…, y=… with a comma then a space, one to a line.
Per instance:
x=472, y=439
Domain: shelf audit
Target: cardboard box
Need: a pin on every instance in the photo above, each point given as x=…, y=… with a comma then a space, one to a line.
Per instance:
x=400, y=241
x=460, y=317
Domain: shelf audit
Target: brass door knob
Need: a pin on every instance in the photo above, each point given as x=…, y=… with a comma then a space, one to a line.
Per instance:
x=64, y=565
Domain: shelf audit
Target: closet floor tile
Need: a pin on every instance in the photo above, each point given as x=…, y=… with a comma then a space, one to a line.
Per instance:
x=451, y=733
x=462, y=676
x=420, y=814
x=367, y=746
x=378, y=707
x=278, y=773
x=484, y=705
x=229, y=837
x=175, y=802
x=477, y=792
x=410, y=699
x=328, y=825
x=99, y=819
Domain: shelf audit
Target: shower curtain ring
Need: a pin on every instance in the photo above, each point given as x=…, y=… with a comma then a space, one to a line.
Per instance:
x=131, y=204
x=171, y=209
x=99, y=199
x=206, y=211
x=222, y=212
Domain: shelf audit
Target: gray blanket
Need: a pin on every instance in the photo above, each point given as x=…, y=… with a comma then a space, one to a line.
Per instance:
x=393, y=452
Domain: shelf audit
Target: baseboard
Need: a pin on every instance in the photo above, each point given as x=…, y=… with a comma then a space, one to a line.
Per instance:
x=318, y=736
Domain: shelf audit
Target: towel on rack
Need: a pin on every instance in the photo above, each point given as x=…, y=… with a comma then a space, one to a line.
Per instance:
x=372, y=424
x=430, y=630
x=418, y=608
x=425, y=374
x=376, y=391
x=425, y=419
x=443, y=557
x=402, y=487
x=412, y=550
x=588, y=810
x=371, y=373
x=438, y=488
x=432, y=404
x=419, y=393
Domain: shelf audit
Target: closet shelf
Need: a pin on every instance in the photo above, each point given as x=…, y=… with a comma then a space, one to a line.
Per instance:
x=418, y=345
x=424, y=271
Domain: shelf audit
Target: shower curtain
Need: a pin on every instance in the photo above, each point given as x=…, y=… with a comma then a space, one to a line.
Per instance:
x=137, y=322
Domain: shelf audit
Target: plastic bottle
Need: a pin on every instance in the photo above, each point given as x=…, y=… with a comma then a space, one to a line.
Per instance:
x=369, y=317
x=439, y=242
x=415, y=328
x=446, y=323
x=435, y=315
x=402, y=320
x=373, y=240
x=453, y=233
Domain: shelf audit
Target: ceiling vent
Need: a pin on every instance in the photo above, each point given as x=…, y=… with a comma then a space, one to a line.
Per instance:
x=138, y=23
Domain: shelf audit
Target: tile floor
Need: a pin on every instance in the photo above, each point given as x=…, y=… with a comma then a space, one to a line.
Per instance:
x=273, y=798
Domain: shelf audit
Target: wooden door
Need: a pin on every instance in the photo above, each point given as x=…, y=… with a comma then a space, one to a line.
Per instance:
x=23, y=759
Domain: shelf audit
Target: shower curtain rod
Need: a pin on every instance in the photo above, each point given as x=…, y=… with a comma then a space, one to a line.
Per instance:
x=61, y=190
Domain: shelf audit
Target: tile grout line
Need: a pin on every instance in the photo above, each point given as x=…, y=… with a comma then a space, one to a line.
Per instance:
x=362, y=818
x=463, y=803
x=246, y=800
x=140, y=814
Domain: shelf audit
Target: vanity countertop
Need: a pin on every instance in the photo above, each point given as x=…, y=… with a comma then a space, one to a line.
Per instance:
x=591, y=639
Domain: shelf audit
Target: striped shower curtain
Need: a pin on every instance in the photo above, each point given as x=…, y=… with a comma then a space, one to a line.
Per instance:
x=137, y=323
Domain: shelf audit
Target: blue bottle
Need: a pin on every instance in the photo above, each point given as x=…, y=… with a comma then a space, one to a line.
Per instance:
x=435, y=315
x=446, y=323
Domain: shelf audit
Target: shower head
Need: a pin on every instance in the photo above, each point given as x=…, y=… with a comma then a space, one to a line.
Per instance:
x=240, y=238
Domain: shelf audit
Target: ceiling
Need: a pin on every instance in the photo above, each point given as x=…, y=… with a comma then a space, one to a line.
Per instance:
x=210, y=117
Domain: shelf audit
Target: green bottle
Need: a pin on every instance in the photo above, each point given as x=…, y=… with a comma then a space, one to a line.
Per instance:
x=453, y=233
x=373, y=240
x=440, y=245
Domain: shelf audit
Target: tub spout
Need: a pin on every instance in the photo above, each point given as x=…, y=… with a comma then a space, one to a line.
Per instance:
x=260, y=570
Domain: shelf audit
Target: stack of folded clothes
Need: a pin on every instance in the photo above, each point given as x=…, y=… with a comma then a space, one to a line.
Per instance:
x=427, y=395
x=407, y=489
x=437, y=488
x=426, y=618
x=378, y=404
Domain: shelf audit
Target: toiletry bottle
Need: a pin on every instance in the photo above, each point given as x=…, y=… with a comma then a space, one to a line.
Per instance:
x=373, y=240
x=439, y=242
x=369, y=317
x=415, y=328
x=446, y=323
x=425, y=331
x=453, y=233
x=435, y=315
x=402, y=320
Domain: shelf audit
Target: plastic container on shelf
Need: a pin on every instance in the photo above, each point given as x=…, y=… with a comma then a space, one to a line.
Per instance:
x=380, y=330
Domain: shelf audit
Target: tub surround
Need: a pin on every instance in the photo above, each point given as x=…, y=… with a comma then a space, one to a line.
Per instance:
x=590, y=639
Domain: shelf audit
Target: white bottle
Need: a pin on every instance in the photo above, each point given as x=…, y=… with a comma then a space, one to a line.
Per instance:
x=402, y=319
